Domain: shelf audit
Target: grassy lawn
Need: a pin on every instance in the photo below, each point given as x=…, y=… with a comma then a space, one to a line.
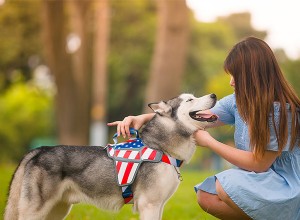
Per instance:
x=182, y=204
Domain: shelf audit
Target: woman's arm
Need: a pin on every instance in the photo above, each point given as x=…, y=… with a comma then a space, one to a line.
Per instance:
x=240, y=158
x=131, y=121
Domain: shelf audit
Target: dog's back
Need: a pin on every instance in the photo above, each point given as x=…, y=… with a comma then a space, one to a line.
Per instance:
x=49, y=174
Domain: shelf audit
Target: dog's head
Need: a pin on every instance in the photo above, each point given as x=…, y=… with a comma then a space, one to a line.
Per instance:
x=188, y=110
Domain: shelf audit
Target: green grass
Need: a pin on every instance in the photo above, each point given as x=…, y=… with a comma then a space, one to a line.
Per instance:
x=182, y=204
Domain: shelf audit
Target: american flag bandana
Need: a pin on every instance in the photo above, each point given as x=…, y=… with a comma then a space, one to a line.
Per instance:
x=128, y=156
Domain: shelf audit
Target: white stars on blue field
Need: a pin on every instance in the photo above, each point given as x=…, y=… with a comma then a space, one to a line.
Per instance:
x=131, y=144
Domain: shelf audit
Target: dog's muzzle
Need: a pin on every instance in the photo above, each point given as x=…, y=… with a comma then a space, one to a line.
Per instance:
x=203, y=116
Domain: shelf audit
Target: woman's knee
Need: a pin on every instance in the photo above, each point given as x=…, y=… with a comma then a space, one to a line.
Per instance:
x=204, y=199
x=221, y=192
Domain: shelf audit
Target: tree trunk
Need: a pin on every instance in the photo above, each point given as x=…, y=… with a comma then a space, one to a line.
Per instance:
x=80, y=69
x=58, y=60
x=99, y=130
x=169, y=57
x=72, y=98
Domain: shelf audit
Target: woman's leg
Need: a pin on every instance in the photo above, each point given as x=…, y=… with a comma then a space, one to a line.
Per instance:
x=225, y=198
x=216, y=206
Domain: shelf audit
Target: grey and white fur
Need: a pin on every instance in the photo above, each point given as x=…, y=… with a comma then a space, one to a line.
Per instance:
x=49, y=180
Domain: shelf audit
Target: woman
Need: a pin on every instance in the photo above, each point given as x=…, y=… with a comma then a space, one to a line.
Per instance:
x=265, y=112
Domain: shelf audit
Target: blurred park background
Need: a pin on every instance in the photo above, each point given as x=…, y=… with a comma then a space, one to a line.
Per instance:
x=67, y=67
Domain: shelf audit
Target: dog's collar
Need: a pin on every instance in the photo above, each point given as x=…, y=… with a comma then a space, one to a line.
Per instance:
x=171, y=160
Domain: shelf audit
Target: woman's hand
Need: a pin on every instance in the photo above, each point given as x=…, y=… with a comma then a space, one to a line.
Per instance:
x=135, y=122
x=203, y=138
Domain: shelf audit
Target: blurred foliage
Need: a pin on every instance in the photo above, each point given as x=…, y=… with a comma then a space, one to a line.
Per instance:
x=20, y=40
x=240, y=23
x=131, y=48
x=26, y=110
x=208, y=47
x=291, y=71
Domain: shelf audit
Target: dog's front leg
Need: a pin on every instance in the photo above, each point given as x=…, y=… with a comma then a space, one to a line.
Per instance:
x=150, y=210
x=151, y=198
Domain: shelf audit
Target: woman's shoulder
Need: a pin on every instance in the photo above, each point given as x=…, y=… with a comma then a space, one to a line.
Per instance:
x=226, y=109
x=228, y=100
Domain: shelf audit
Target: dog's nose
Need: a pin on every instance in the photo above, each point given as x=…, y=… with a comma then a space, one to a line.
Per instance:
x=213, y=96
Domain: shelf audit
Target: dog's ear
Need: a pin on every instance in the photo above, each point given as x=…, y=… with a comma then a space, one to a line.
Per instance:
x=160, y=107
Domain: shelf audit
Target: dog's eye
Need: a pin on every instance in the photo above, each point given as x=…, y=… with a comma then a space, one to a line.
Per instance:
x=189, y=100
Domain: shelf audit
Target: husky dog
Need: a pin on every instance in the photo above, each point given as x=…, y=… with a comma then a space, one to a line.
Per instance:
x=49, y=180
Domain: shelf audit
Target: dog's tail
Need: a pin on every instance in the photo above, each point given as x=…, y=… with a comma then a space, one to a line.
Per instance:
x=11, y=210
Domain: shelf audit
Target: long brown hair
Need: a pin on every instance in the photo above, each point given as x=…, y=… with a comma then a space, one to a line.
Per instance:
x=259, y=83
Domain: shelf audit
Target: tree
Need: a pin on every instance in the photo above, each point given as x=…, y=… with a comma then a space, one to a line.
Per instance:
x=208, y=47
x=99, y=76
x=54, y=36
x=20, y=47
x=72, y=68
x=241, y=25
x=132, y=36
x=81, y=73
x=169, y=58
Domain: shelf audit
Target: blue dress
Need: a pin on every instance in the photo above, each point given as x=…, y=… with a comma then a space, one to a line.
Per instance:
x=270, y=195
